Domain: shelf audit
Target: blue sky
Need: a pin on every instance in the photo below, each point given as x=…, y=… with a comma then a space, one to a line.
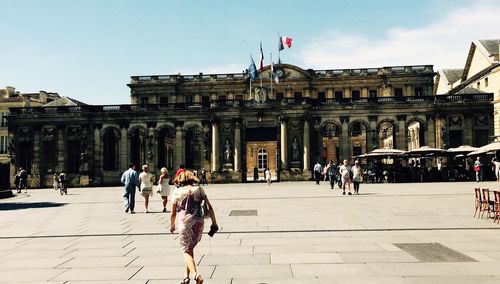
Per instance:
x=89, y=49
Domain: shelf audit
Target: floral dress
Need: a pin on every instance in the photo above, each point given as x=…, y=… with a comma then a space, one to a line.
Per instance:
x=189, y=221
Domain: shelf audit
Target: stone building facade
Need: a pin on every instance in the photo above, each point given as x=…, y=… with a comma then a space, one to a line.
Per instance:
x=213, y=121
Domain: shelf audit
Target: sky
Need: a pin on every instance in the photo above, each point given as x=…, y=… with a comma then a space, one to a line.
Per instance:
x=88, y=49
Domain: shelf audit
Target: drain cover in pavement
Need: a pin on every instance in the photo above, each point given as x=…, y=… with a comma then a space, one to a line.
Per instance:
x=243, y=213
x=434, y=252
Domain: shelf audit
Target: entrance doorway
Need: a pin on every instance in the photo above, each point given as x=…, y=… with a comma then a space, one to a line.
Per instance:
x=261, y=153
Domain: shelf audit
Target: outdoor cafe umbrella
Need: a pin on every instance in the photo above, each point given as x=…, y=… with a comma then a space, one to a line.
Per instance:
x=384, y=152
x=492, y=147
x=464, y=149
x=425, y=151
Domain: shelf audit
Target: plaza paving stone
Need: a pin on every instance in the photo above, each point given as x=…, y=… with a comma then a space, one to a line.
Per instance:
x=302, y=233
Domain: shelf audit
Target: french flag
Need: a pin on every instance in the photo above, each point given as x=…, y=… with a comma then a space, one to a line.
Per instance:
x=285, y=42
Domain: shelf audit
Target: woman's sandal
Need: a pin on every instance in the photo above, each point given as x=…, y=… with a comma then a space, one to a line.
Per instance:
x=198, y=279
x=185, y=280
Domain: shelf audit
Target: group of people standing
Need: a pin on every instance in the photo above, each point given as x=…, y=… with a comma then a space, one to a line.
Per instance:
x=344, y=175
x=189, y=207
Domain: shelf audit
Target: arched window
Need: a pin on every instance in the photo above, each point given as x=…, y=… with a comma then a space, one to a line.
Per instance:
x=110, y=151
x=262, y=159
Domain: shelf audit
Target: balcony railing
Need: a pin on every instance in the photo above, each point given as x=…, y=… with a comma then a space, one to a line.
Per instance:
x=440, y=99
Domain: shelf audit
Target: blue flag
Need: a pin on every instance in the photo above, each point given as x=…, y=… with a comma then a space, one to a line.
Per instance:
x=252, y=70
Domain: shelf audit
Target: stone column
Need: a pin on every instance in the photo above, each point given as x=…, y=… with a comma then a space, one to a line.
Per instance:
x=468, y=131
x=61, y=149
x=401, y=136
x=215, y=146
x=179, y=146
x=307, y=145
x=36, y=174
x=97, y=166
x=237, y=147
x=373, y=134
x=345, y=145
x=124, y=148
x=284, y=143
x=431, y=131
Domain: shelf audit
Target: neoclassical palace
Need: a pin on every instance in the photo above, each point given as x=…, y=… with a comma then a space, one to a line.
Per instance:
x=214, y=121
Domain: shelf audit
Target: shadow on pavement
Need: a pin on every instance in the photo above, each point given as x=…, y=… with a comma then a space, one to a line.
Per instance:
x=19, y=205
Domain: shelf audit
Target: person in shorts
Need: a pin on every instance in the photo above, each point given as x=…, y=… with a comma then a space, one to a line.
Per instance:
x=345, y=174
x=146, y=180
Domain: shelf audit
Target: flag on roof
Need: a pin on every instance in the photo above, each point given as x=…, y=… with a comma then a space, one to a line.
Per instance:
x=261, y=65
x=284, y=42
x=252, y=70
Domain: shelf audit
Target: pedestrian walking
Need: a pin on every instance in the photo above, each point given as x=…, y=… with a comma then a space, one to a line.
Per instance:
x=497, y=167
x=188, y=220
x=325, y=171
x=478, y=168
x=23, y=180
x=146, y=179
x=357, y=176
x=180, y=170
x=317, y=172
x=55, y=181
x=130, y=180
x=163, y=187
x=63, y=183
x=203, y=177
x=345, y=174
x=332, y=172
x=267, y=173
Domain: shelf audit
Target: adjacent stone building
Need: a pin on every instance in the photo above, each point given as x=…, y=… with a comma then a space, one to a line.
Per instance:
x=481, y=74
x=213, y=121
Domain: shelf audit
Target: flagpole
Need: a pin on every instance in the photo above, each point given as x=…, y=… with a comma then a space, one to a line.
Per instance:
x=279, y=50
x=272, y=74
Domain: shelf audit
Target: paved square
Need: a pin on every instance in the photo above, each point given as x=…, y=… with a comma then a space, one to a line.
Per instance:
x=302, y=233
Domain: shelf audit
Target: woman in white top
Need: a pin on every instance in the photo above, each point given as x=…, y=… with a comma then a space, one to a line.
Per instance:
x=268, y=176
x=146, y=179
x=163, y=187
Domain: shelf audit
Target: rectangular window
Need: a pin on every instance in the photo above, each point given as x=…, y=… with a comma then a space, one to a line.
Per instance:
x=164, y=100
x=398, y=92
x=279, y=96
x=189, y=100
x=338, y=95
x=356, y=94
x=205, y=101
x=3, y=144
x=321, y=96
x=3, y=119
x=486, y=82
x=419, y=91
x=222, y=99
x=238, y=97
x=372, y=94
x=455, y=138
x=144, y=101
x=297, y=96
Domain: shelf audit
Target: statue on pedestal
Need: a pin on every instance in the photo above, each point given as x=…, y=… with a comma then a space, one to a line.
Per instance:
x=295, y=149
x=227, y=152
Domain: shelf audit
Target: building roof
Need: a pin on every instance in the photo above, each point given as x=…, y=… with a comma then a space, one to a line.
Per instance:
x=477, y=76
x=64, y=101
x=490, y=45
x=470, y=90
x=453, y=75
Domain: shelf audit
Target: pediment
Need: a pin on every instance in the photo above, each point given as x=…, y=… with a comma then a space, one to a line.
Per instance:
x=286, y=71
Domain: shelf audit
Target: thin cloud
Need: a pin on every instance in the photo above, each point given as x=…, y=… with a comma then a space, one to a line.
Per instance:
x=443, y=43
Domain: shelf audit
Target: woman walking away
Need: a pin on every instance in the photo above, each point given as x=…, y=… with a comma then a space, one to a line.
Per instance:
x=55, y=180
x=268, y=176
x=164, y=187
x=187, y=200
x=146, y=179
x=357, y=174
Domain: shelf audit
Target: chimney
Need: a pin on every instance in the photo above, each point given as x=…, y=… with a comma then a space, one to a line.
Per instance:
x=9, y=91
x=43, y=97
